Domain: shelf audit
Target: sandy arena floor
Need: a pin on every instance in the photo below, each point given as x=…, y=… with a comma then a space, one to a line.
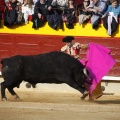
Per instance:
x=59, y=106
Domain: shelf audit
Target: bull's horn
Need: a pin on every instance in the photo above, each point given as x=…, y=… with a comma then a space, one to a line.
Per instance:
x=86, y=74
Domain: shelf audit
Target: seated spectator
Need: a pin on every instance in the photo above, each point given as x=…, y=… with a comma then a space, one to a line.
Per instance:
x=34, y=1
x=91, y=5
x=84, y=14
x=97, y=12
x=55, y=21
x=110, y=18
x=21, y=1
x=12, y=4
x=59, y=5
x=41, y=10
x=15, y=4
x=13, y=13
x=27, y=9
x=78, y=4
x=69, y=14
x=2, y=9
x=2, y=6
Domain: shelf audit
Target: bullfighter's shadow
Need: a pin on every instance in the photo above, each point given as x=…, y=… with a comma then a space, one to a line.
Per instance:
x=117, y=101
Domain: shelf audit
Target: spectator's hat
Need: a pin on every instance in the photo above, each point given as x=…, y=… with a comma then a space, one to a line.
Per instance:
x=68, y=39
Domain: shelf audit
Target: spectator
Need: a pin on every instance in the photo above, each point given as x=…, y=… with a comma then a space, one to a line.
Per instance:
x=2, y=9
x=84, y=14
x=41, y=10
x=110, y=18
x=2, y=6
x=78, y=4
x=69, y=14
x=27, y=9
x=13, y=13
x=91, y=5
x=21, y=1
x=59, y=5
x=97, y=12
x=34, y=1
x=12, y=4
x=15, y=4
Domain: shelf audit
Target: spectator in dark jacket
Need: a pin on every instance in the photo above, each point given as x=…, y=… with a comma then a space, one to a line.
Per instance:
x=69, y=14
x=41, y=10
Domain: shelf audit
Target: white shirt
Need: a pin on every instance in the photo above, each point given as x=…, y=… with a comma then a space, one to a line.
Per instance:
x=27, y=10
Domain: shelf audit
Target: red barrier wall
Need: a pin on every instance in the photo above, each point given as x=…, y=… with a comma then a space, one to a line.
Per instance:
x=17, y=44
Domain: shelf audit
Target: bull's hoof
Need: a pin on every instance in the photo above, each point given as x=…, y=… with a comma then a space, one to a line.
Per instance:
x=16, y=97
x=4, y=99
x=85, y=94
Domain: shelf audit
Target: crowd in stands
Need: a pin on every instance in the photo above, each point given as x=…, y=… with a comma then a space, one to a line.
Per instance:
x=55, y=12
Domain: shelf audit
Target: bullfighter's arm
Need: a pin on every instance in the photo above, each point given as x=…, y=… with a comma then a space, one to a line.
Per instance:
x=83, y=46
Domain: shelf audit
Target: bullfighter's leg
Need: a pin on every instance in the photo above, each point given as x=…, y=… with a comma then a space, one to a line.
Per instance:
x=3, y=87
x=10, y=89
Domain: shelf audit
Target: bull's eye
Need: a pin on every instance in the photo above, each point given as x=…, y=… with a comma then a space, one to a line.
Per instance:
x=4, y=69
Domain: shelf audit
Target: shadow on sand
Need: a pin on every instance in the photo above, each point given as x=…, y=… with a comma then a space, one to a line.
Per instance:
x=116, y=101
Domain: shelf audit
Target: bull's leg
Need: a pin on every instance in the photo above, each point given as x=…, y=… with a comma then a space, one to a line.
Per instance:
x=85, y=94
x=10, y=89
x=3, y=87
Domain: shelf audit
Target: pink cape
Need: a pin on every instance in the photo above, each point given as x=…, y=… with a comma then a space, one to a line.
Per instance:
x=98, y=62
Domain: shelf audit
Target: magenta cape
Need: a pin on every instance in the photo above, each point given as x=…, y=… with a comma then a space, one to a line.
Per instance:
x=98, y=62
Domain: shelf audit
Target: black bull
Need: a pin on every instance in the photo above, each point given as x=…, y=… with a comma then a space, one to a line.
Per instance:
x=53, y=67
